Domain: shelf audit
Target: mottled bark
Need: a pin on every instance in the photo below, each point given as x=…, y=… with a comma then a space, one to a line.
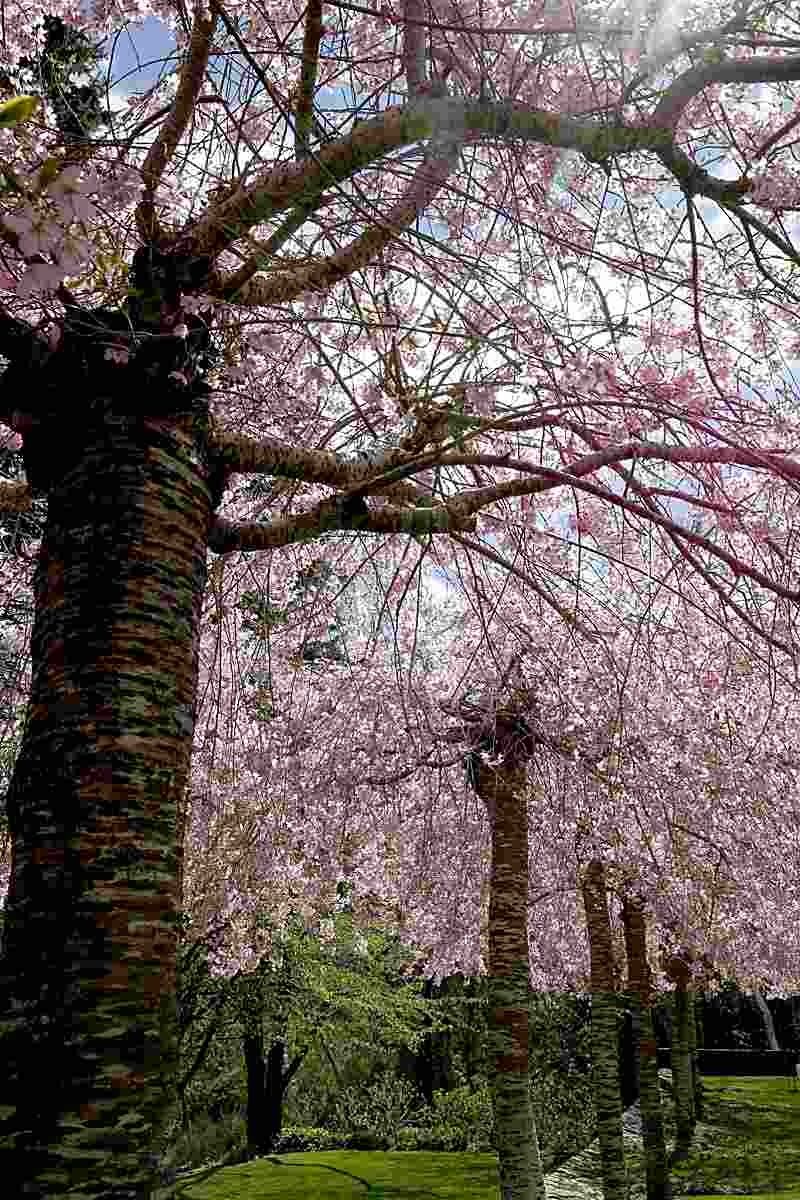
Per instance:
x=681, y=1060
x=605, y=1061
x=504, y=789
x=640, y=988
x=88, y=970
x=699, y=1042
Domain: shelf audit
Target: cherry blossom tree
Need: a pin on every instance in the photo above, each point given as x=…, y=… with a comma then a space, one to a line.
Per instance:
x=612, y=740
x=441, y=275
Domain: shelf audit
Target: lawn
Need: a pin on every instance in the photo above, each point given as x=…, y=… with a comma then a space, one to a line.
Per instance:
x=754, y=1150
x=336, y=1174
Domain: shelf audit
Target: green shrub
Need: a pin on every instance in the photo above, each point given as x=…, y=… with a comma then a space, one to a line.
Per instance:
x=366, y=1139
x=296, y=1138
x=460, y=1119
x=564, y=1111
x=206, y=1141
x=379, y=1108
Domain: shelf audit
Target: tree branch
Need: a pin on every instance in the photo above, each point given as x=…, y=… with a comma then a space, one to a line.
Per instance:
x=304, y=108
x=163, y=148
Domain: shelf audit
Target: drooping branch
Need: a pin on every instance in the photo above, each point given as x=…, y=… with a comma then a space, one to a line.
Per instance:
x=759, y=69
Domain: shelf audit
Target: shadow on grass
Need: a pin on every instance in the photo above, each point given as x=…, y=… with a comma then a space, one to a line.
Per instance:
x=340, y=1174
x=747, y=1144
x=752, y=1146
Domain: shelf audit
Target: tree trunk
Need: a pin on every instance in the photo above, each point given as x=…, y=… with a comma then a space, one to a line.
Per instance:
x=267, y=1082
x=699, y=1042
x=640, y=987
x=88, y=968
x=605, y=1062
x=694, y=1062
x=681, y=1062
x=275, y=1087
x=769, y=1024
x=504, y=791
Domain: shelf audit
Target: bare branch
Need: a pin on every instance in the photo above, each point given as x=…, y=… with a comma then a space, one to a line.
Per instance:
x=304, y=108
x=163, y=148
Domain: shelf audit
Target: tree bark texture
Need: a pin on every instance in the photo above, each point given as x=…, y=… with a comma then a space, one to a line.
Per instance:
x=605, y=1060
x=699, y=1041
x=88, y=968
x=504, y=790
x=681, y=1060
x=640, y=988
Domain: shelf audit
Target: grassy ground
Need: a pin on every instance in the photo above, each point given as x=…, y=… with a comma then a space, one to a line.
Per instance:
x=753, y=1148
x=345, y=1174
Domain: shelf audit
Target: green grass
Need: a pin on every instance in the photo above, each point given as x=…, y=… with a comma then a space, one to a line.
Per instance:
x=754, y=1149
x=343, y=1174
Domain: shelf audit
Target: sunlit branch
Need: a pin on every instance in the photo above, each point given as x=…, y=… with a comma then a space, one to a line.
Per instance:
x=414, y=46
x=160, y=153
x=757, y=69
x=227, y=536
x=473, y=502
x=304, y=108
x=239, y=453
x=281, y=287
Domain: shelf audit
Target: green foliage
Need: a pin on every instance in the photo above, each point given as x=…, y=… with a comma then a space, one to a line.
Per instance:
x=565, y=1115
x=310, y=587
x=460, y=1119
x=79, y=108
x=17, y=110
x=343, y=994
x=262, y=617
x=377, y=1109
x=296, y=1138
x=203, y=1142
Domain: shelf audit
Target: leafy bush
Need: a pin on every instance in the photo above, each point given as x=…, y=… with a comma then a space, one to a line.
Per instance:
x=365, y=1139
x=206, y=1141
x=378, y=1108
x=296, y=1138
x=564, y=1111
x=458, y=1120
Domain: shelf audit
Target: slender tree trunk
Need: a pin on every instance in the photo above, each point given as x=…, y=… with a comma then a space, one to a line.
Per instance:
x=694, y=1068
x=504, y=791
x=699, y=1042
x=640, y=988
x=275, y=1086
x=605, y=1061
x=681, y=1061
x=89, y=954
x=769, y=1024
